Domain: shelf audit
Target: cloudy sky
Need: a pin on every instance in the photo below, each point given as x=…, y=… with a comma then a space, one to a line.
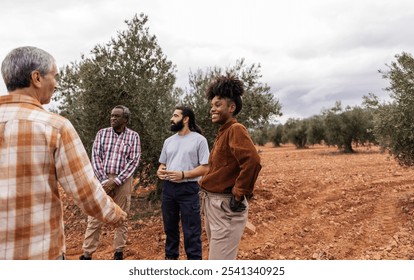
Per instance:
x=312, y=52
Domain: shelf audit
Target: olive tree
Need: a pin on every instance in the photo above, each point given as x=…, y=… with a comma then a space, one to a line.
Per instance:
x=131, y=70
x=295, y=131
x=394, y=120
x=343, y=127
x=259, y=103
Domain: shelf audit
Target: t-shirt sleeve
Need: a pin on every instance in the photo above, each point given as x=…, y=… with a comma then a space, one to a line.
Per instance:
x=163, y=155
x=203, y=151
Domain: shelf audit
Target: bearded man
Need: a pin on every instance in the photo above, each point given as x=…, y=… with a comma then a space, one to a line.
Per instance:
x=183, y=160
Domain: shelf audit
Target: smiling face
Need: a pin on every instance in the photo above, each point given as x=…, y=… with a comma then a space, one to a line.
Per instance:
x=222, y=110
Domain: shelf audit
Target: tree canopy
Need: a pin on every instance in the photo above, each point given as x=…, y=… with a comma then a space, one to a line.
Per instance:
x=394, y=120
x=343, y=127
x=132, y=70
x=259, y=103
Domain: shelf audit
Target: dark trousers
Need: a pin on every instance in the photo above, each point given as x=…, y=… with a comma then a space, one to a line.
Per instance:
x=182, y=201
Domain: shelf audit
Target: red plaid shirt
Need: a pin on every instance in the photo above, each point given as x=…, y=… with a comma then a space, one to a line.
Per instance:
x=115, y=154
x=38, y=151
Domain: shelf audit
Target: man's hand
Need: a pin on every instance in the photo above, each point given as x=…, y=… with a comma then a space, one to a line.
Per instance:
x=162, y=172
x=168, y=175
x=109, y=187
x=121, y=220
x=237, y=205
x=175, y=176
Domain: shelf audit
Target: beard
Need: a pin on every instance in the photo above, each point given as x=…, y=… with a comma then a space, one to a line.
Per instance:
x=177, y=126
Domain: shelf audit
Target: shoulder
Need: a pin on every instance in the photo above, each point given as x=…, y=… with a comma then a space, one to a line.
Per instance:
x=238, y=128
x=61, y=125
x=195, y=138
x=104, y=131
x=171, y=138
x=131, y=132
x=196, y=135
x=55, y=120
x=239, y=133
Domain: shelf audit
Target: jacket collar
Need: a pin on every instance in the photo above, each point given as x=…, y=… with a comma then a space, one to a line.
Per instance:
x=227, y=125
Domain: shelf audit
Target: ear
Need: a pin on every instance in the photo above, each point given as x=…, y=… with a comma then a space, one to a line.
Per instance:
x=232, y=107
x=35, y=78
x=186, y=119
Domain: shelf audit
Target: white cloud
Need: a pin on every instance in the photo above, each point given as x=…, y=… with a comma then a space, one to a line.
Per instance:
x=312, y=53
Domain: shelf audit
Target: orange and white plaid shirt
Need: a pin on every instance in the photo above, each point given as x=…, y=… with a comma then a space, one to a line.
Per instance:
x=38, y=151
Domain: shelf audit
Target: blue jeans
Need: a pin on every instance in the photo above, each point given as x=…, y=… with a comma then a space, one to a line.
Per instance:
x=182, y=200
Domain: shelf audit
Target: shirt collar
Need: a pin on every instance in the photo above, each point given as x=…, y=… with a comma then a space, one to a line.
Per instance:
x=20, y=98
x=125, y=131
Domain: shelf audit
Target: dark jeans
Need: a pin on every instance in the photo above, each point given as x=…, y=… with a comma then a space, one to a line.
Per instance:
x=182, y=200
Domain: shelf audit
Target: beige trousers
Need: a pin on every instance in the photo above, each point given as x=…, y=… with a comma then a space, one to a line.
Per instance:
x=122, y=197
x=224, y=228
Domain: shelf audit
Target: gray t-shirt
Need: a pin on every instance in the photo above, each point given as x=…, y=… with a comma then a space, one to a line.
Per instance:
x=185, y=152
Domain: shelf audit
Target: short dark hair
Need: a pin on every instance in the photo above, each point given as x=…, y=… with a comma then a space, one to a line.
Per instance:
x=227, y=86
x=126, y=112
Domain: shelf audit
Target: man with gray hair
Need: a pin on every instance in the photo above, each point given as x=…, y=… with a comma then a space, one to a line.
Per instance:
x=39, y=151
x=115, y=156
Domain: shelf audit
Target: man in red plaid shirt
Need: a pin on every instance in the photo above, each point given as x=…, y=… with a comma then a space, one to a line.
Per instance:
x=39, y=152
x=115, y=157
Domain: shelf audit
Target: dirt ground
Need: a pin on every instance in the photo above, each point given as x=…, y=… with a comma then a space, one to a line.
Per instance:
x=310, y=204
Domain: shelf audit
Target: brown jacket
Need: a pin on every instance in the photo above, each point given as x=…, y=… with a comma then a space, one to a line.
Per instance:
x=234, y=161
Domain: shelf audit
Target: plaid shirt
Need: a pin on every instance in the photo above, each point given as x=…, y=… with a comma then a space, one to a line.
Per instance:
x=38, y=151
x=115, y=154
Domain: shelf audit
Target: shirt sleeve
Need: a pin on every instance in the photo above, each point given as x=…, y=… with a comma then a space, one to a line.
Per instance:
x=98, y=157
x=248, y=159
x=76, y=176
x=163, y=155
x=132, y=160
x=203, y=152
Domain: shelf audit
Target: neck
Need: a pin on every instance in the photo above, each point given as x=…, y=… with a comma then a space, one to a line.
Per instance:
x=119, y=130
x=228, y=120
x=28, y=91
x=184, y=131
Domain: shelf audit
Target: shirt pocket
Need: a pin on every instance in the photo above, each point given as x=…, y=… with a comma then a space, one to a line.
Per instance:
x=125, y=150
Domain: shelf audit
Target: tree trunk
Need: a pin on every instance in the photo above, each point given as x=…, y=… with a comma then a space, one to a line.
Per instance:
x=348, y=147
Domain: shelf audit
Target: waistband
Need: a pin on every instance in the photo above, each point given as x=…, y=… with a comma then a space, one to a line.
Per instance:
x=211, y=194
x=180, y=183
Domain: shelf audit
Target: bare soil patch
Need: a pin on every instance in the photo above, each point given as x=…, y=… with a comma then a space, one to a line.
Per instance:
x=308, y=204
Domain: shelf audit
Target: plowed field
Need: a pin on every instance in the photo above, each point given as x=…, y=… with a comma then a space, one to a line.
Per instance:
x=314, y=203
